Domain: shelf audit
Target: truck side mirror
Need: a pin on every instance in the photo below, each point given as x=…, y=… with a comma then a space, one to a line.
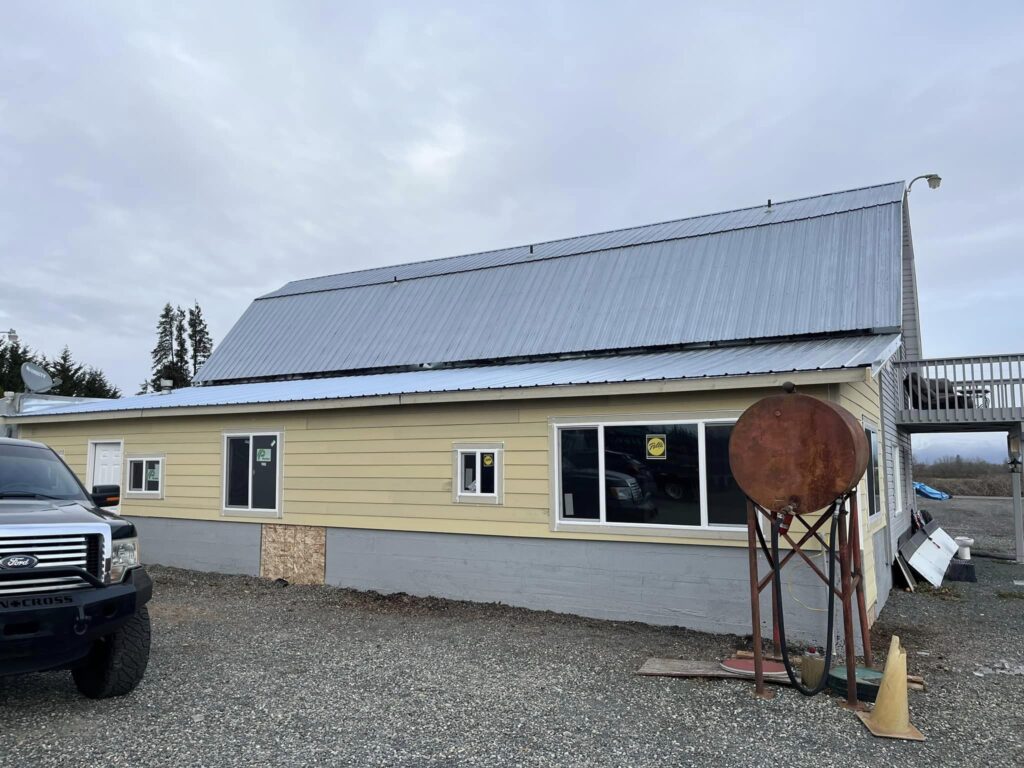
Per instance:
x=106, y=495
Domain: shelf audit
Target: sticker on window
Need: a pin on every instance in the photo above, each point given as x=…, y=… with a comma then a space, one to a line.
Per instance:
x=263, y=455
x=153, y=473
x=657, y=447
x=488, y=459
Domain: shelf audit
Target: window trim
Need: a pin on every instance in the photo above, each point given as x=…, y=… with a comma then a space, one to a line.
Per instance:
x=249, y=511
x=706, y=529
x=871, y=517
x=464, y=497
x=143, y=494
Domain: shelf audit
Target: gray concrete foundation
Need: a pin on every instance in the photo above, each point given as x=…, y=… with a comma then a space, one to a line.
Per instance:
x=701, y=587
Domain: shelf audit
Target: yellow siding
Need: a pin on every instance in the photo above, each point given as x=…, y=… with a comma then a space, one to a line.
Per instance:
x=386, y=467
x=863, y=399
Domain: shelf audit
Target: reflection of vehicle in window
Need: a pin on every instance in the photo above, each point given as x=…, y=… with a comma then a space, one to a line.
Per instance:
x=678, y=481
x=624, y=463
x=626, y=500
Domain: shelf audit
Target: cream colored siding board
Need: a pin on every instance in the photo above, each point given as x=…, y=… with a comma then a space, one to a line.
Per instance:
x=438, y=471
x=405, y=446
x=405, y=483
x=863, y=400
x=456, y=432
x=365, y=484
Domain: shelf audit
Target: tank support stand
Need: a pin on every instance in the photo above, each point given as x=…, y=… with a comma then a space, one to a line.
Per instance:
x=851, y=568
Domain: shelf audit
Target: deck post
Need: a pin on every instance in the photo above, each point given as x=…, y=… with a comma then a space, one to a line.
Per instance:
x=1016, y=438
x=1018, y=516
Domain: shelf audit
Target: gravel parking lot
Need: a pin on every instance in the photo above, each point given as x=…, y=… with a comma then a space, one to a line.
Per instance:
x=244, y=672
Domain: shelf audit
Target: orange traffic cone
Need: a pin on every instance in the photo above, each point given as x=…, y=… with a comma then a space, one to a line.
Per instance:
x=890, y=717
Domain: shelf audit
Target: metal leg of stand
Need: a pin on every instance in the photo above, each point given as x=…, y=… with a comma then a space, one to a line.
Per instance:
x=845, y=549
x=858, y=567
x=755, y=603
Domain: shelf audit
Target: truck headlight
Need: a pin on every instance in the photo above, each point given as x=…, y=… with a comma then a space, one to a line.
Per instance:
x=124, y=554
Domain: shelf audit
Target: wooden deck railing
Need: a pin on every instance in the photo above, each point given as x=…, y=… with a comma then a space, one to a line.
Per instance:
x=961, y=390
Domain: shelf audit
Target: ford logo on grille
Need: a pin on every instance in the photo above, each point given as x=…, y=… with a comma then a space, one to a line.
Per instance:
x=14, y=562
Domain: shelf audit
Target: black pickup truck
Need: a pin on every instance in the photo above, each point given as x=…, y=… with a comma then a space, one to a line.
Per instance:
x=72, y=591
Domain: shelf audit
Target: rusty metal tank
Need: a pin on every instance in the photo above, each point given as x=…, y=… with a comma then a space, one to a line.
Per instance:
x=797, y=452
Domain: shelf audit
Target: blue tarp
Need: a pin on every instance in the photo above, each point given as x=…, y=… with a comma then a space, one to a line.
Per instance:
x=930, y=493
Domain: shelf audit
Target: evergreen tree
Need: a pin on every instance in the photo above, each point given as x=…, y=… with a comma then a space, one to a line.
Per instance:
x=12, y=355
x=143, y=388
x=182, y=373
x=163, y=352
x=94, y=383
x=76, y=379
x=198, y=337
x=65, y=370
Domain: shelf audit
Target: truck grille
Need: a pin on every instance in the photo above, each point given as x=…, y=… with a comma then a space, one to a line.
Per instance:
x=51, y=551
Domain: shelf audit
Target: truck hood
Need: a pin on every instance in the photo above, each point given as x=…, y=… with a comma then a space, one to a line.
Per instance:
x=45, y=512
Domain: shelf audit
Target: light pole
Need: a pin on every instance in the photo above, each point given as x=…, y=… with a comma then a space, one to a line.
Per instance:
x=933, y=179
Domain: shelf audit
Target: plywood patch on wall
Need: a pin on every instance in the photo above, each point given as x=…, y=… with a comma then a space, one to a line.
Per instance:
x=296, y=553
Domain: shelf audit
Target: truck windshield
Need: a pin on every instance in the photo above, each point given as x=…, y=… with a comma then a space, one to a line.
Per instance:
x=30, y=472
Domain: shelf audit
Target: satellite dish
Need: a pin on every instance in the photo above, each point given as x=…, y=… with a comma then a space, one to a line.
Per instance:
x=36, y=379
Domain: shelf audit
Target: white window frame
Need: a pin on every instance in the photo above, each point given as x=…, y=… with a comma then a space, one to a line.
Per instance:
x=705, y=529
x=249, y=511
x=869, y=426
x=143, y=494
x=460, y=496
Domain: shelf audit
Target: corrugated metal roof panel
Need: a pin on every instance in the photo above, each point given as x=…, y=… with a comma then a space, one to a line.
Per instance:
x=696, y=226
x=823, y=354
x=828, y=271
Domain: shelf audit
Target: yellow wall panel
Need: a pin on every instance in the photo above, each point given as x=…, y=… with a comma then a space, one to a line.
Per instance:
x=391, y=467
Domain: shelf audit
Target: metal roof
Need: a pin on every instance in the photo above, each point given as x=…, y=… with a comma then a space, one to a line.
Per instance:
x=810, y=355
x=817, y=265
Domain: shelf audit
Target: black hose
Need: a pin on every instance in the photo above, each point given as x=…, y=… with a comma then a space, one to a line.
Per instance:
x=764, y=547
x=777, y=585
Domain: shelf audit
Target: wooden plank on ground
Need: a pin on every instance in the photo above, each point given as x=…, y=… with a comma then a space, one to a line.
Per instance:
x=687, y=668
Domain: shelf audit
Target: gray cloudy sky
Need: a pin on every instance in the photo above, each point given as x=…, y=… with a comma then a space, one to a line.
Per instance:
x=213, y=151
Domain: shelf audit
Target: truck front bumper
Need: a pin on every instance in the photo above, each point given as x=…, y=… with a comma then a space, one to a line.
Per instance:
x=40, y=632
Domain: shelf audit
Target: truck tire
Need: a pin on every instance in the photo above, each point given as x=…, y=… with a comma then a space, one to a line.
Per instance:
x=117, y=662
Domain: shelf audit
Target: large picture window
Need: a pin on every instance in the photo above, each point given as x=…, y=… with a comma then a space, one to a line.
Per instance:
x=252, y=472
x=653, y=474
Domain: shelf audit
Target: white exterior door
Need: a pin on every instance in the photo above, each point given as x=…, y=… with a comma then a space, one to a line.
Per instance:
x=106, y=466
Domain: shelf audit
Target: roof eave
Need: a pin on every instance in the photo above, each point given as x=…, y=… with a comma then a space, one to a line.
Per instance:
x=744, y=381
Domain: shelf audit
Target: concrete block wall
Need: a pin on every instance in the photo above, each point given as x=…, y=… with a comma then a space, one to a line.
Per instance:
x=700, y=587
x=704, y=588
x=221, y=547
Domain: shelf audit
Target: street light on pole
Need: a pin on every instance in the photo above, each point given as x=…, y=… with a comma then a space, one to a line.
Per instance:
x=933, y=179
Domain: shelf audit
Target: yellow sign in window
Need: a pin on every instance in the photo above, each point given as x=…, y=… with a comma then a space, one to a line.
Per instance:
x=657, y=447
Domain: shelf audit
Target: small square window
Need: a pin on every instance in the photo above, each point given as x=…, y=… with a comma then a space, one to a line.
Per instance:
x=478, y=474
x=145, y=476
